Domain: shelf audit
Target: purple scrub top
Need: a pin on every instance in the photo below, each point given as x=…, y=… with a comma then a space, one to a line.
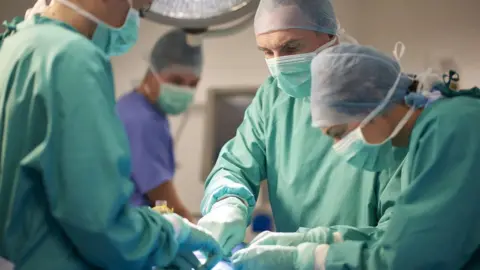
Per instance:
x=151, y=146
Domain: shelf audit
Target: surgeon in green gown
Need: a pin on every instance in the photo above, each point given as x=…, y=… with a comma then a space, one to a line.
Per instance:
x=64, y=158
x=309, y=184
x=365, y=103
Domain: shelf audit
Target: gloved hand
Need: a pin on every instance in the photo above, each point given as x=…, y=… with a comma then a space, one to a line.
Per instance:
x=191, y=237
x=184, y=260
x=227, y=221
x=276, y=257
x=319, y=235
x=303, y=229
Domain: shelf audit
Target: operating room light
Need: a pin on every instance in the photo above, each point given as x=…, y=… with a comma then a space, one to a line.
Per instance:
x=200, y=14
x=196, y=9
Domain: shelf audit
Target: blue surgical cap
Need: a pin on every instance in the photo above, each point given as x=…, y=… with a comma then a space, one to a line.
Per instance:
x=172, y=49
x=349, y=81
x=314, y=15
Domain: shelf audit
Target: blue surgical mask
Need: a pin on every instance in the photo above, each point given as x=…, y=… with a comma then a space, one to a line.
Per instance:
x=174, y=99
x=118, y=41
x=292, y=72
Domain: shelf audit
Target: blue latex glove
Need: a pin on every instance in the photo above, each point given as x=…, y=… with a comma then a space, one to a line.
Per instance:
x=276, y=257
x=320, y=235
x=227, y=221
x=191, y=238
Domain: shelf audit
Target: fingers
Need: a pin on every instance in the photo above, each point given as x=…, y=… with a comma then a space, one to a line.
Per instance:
x=185, y=260
x=264, y=238
x=246, y=258
x=265, y=257
x=212, y=250
x=214, y=256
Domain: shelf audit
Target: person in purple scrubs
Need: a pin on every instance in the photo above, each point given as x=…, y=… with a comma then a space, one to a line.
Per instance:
x=167, y=89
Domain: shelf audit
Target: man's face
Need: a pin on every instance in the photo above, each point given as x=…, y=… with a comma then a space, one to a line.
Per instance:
x=183, y=78
x=187, y=79
x=290, y=42
x=375, y=132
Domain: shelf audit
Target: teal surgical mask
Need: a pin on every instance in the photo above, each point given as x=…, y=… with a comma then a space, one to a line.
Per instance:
x=118, y=41
x=292, y=72
x=174, y=99
x=113, y=41
x=371, y=157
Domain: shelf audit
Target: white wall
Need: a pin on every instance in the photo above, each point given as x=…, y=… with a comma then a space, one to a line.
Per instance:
x=427, y=27
x=430, y=29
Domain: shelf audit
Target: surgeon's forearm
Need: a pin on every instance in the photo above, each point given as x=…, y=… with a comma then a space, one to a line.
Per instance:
x=241, y=164
x=127, y=241
x=220, y=186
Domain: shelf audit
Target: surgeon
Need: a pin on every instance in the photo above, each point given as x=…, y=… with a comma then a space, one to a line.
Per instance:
x=65, y=162
x=309, y=184
x=361, y=98
x=167, y=89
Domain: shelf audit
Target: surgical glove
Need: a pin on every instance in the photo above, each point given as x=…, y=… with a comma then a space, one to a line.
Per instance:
x=303, y=229
x=227, y=221
x=319, y=235
x=185, y=260
x=191, y=237
x=276, y=257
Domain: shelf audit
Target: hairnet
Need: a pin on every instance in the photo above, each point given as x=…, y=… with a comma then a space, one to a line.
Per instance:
x=172, y=49
x=349, y=81
x=315, y=15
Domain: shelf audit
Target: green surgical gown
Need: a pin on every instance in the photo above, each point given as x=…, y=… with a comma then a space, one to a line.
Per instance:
x=309, y=184
x=436, y=221
x=64, y=164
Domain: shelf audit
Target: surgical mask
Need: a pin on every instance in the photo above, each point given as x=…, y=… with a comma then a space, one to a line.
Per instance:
x=118, y=41
x=373, y=157
x=292, y=72
x=113, y=41
x=174, y=99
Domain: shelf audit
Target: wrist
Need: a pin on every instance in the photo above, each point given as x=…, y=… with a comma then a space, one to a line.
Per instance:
x=231, y=200
x=232, y=203
x=323, y=235
x=306, y=256
x=180, y=227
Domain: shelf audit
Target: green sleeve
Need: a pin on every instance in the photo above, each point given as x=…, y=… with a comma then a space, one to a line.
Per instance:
x=435, y=222
x=389, y=186
x=241, y=164
x=86, y=167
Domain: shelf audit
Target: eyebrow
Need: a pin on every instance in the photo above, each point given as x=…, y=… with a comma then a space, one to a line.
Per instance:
x=336, y=131
x=282, y=45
